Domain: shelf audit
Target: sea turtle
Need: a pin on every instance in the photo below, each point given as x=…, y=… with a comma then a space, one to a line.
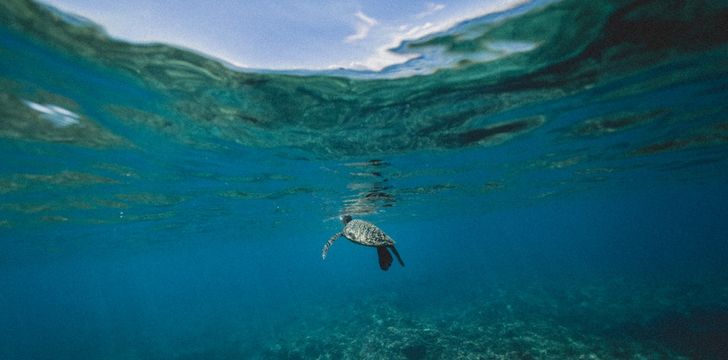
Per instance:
x=367, y=234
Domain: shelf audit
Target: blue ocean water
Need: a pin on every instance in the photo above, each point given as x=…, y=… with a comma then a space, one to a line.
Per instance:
x=554, y=178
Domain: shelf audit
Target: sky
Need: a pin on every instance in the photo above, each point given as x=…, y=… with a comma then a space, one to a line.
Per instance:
x=282, y=34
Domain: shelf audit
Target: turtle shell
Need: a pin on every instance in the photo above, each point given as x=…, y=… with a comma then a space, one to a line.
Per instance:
x=366, y=233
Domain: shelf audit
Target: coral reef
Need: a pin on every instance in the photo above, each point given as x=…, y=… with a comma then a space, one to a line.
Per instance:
x=616, y=320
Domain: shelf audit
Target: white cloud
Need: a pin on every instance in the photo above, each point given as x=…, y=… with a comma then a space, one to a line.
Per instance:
x=390, y=36
x=364, y=24
x=430, y=9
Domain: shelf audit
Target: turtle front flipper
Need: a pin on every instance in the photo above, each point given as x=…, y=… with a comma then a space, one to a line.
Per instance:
x=328, y=244
x=385, y=258
x=396, y=253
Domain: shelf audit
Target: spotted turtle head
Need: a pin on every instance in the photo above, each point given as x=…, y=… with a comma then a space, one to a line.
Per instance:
x=345, y=219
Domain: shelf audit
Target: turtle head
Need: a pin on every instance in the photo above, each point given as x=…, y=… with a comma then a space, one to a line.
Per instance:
x=345, y=219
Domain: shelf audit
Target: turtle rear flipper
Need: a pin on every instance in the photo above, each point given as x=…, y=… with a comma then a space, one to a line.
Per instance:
x=396, y=253
x=385, y=258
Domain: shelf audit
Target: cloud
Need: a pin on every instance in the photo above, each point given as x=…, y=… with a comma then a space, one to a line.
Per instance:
x=364, y=24
x=383, y=39
x=430, y=9
x=391, y=35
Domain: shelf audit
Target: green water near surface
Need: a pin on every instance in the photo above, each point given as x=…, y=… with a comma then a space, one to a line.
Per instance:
x=605, y=50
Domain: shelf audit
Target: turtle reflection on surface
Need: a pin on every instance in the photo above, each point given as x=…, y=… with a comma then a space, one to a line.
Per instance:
x=371, y=187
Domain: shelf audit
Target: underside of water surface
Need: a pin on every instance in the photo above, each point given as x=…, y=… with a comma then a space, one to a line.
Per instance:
x=553, y=175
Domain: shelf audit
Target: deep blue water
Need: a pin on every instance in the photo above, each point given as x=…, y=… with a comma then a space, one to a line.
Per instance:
x=564, y=202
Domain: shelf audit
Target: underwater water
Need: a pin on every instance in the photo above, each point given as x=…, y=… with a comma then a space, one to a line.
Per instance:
x=554, y=178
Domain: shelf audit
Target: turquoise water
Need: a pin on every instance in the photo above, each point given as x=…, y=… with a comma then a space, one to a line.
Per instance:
x=554, y=177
